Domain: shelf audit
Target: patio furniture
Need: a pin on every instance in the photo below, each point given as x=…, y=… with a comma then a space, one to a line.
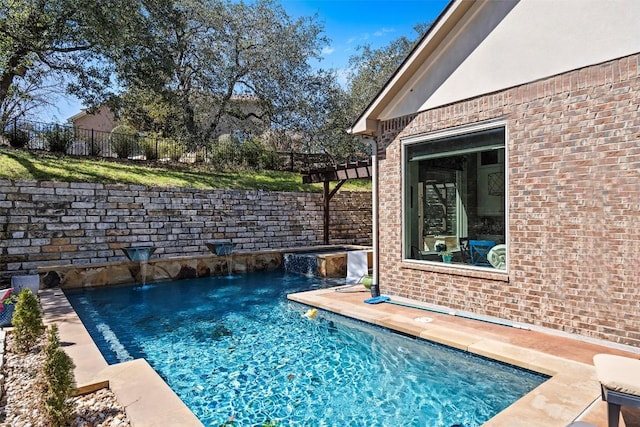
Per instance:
x=29, y=281
x=463, y=244
x=497, y=257
x=478, y=251
x=619, y=383
x=6, y=310
x=416, y=253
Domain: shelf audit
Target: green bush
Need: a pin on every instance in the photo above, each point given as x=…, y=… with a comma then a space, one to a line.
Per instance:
x=59, y=381
x=255, y=154
x=27, y=321
x=150, y=148
x=225, y=152
x=17, y=138
x=94, y=148
x=250, y=153
x=124, y=141
x=59, y=139
x=170, y=149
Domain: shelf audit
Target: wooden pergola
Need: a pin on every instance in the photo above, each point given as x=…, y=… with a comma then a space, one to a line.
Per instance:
x=362, y=169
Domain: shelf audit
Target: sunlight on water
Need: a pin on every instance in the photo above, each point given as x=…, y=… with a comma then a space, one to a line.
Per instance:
x=238, y=350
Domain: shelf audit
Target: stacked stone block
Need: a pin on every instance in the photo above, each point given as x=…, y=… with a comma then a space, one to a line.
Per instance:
x=58, y=223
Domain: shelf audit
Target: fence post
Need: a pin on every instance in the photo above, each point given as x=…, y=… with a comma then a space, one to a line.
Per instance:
x=292, y=165
x=157, y=154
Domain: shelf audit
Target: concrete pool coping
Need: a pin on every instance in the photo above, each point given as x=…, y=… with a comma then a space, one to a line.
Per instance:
x=572, y=392
x=147, y=399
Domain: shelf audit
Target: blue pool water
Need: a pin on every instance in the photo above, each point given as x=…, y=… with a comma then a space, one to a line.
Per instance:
x=237, y=350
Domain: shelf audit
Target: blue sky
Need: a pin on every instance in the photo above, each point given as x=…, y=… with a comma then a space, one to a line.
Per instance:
x=351, y=23
x=348, y=23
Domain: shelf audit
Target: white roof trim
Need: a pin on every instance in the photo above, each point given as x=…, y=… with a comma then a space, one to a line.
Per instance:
x=364, y=125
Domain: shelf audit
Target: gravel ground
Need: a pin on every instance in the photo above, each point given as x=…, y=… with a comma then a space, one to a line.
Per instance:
x=20, y=406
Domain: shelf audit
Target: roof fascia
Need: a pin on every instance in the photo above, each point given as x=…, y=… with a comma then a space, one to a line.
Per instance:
x=366, y=124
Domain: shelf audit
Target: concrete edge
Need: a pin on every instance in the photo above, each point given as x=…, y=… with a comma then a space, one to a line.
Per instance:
x=554, y=403
x=147, y=399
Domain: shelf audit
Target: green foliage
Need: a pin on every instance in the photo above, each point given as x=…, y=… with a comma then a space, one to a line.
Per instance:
x=225, y=151
x=59, y=381
x=17, y=138
x=27, y=321
x=254, y=154
x=69, y=41
x=193, y=82
x=371, y=68
x=124, y=141
x=94, y=148
x=59, y=139
x=150, y=148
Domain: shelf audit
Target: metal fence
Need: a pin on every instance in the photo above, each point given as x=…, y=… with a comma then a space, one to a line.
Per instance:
x=74, y=141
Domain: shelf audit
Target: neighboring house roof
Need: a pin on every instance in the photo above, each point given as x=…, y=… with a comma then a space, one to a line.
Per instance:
x=77, y=116
x=477, y=47
x=101, y=120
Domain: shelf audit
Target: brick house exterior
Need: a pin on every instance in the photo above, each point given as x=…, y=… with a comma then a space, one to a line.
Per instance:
x=572, y=201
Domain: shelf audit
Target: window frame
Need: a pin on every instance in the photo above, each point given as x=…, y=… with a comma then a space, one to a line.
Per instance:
x=413, y=140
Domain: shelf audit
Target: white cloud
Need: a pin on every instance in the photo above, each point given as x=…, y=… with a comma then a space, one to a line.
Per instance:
x=328, y=50
x=342, y=74
x=384, y=31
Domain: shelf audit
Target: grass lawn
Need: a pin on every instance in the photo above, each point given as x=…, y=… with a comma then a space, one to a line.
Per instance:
x=42, y=166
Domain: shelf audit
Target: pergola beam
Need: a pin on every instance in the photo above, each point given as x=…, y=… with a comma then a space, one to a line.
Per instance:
x=341, y=173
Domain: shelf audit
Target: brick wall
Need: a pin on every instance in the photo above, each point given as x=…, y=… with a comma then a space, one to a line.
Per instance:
x=574, y=205
x=54, y=223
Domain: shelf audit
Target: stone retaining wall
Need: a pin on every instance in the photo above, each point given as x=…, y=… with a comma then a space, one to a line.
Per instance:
x=58, y=223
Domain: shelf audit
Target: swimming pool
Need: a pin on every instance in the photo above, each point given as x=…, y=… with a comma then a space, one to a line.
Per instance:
x=237, y=352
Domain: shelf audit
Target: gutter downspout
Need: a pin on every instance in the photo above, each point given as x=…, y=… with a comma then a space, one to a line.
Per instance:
x=375, y=286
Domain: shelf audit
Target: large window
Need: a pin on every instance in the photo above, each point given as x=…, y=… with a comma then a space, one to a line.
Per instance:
x=454, y=201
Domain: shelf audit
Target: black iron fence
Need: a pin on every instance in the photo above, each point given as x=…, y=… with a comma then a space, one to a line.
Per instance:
x=225, y=152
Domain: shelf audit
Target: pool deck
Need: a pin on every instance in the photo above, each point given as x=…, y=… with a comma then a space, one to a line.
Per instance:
x=572, y=393
x=147, y=399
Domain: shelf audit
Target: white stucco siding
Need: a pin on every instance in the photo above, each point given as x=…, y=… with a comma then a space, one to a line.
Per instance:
x=501, y=44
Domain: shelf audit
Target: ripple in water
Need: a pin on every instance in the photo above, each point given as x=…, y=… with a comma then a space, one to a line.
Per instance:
x=238, y=352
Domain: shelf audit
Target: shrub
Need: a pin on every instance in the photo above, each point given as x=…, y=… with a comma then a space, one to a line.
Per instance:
x=250, y=153
x=225, y=152
x=59, y=139
x=27, y=321
x=123, y=141
x=59, y=381
x=17, y=138
x=94, y=148
x=256, y=155
x=150, y=148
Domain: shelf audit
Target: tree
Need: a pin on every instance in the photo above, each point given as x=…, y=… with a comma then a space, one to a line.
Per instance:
x=323, y=121
x=71, y=41
x=368, y=72
x=26, y=95
x=213, y=51
x=371, y=68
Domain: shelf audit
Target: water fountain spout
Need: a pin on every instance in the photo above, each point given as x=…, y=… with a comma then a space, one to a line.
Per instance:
x=142, y=255
x=139, y=253
x=223, y=248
